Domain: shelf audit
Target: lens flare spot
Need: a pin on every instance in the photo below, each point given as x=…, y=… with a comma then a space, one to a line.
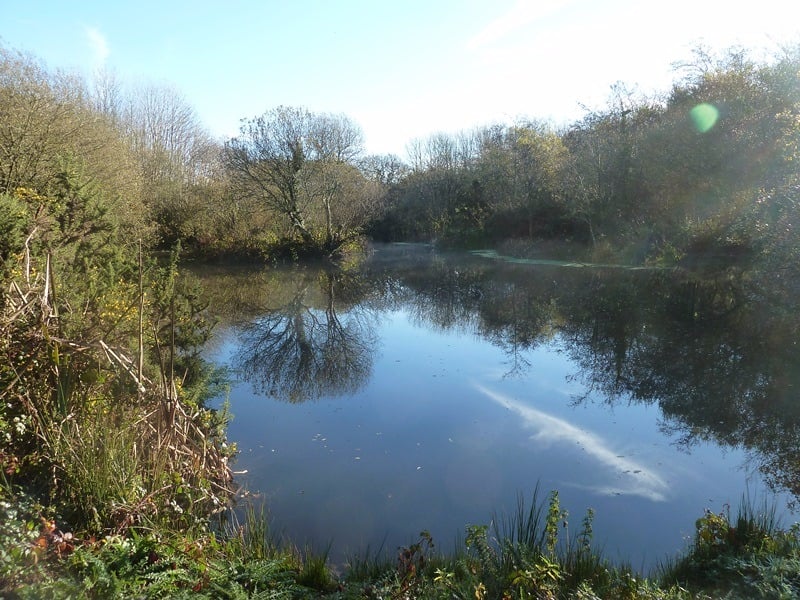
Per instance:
x=704, y=116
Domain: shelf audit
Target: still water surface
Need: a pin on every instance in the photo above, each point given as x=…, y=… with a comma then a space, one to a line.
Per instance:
x=423, y=390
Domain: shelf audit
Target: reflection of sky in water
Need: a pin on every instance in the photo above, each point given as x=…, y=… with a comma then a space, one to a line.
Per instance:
x=636, y=478
x=419, y=447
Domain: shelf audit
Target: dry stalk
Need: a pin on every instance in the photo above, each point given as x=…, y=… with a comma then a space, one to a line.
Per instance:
x=167, y=433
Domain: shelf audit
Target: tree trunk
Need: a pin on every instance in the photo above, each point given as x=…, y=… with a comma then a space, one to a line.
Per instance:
x=328, y=225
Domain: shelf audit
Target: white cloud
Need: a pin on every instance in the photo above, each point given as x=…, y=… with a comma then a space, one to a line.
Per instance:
x=522, y=13
x=629, y=476
x=99, y=46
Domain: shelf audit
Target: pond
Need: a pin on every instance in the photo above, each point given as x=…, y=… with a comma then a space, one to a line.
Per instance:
x=422, y=390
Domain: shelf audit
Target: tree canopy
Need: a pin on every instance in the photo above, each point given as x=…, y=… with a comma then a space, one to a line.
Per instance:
x=302, y=167
x=708, y=168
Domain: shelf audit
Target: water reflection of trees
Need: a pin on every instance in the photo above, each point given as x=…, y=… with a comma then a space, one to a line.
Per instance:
x=716, y=352
x=719, y=360
x=319, y=340
x=509, y=307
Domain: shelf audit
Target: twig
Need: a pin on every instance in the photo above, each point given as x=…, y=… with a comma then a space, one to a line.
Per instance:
x=140, y=366
x=28, y=255
x=112, y=357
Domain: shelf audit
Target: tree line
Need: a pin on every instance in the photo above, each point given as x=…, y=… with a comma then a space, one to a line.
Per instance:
x=708, y=167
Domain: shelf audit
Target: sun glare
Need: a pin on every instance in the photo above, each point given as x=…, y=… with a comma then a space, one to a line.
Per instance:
x=704, y=116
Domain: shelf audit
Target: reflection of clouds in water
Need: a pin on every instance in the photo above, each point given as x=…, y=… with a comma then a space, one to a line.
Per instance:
x=635, y=478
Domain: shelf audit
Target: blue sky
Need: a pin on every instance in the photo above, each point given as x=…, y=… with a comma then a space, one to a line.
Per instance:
x=402, y=69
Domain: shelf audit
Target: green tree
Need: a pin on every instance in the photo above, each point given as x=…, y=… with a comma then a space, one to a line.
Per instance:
x=539, y=157
x=46, y=119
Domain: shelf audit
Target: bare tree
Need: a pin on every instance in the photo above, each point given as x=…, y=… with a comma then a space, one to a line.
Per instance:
x=107, y=94
x=385, y=169
x=301, y=165
x=166, y=132
x=177, y=159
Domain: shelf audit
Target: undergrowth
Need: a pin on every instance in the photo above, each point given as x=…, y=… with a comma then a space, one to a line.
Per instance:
x=528, y=554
